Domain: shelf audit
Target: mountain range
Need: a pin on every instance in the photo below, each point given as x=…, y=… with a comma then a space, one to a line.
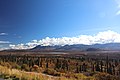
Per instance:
x=78, y=47
x=75, y=47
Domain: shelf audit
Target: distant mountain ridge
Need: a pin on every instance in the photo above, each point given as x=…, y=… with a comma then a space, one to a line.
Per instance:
x=75, y=47
x=44, y=48
x=79, y=47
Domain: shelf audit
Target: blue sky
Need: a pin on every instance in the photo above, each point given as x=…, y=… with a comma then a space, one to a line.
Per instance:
x=26, y=20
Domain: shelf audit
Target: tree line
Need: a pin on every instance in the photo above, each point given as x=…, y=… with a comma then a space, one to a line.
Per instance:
x=79, y=64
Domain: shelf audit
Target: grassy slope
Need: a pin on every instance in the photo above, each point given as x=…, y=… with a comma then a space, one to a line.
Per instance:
x=15, y=74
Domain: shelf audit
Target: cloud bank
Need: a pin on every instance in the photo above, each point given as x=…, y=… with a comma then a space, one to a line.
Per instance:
x=100, y=38
x=4, y=48
x=4, y=45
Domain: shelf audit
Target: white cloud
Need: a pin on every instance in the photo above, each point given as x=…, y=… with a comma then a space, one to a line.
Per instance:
x=4, y=45
x=19, y=46
x=118, y=12
x=118, y=6
x=100, y=38
x=4, y=42
x=3, y=34
x=3, y=49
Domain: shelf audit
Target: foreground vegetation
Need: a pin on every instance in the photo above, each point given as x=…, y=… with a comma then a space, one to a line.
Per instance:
x=14, y=74
x=24, y=67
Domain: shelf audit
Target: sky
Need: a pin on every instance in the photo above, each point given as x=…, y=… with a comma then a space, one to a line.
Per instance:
x=27, y=23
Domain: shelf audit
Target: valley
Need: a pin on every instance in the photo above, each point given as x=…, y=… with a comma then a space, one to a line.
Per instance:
x=71, y=65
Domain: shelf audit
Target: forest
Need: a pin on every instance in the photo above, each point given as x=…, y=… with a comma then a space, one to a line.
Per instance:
x=68, y=66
